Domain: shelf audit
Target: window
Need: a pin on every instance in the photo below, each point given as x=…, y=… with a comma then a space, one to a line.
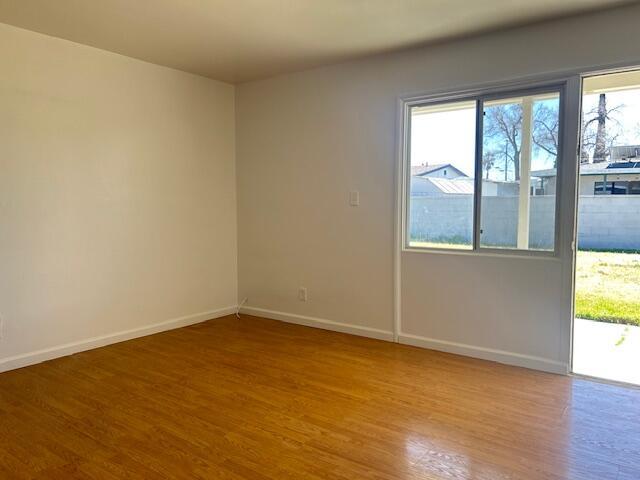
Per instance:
x=498, y=190
x=616, y=188
x=601, y=188
x=441, y=207
x=520, y=140
x=619, y=188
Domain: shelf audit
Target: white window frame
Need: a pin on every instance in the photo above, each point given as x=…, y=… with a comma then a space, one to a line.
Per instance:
x=480, y=96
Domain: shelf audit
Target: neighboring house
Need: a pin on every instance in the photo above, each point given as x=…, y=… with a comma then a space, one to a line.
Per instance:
x=438, y=187
x=493, y=188
x=606, y=178
x=619, y=176
x=444, y=180
x=441, y=170
x=543, y=182
x=439, y=180
x=614, y=178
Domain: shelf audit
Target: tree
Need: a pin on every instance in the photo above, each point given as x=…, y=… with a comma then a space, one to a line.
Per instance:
x=600, y=129
x=488, y=161
x=503, y=126
x=545, y=129
x=600, y=150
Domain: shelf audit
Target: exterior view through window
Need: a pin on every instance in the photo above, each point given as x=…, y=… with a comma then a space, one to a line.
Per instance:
x=441, y=186
x=483, y=181
x=520, y=148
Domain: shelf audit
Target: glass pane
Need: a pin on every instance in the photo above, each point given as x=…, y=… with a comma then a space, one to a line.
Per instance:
x=519, y=172
x=441, y=187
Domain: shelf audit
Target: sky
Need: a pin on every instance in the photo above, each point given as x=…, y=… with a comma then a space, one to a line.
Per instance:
x=449, y=137
x=444, y=137
x=628, y=116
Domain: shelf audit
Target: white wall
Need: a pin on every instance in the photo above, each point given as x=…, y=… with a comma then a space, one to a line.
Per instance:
x=306, y=139
x=117, y=196
x=118, y=208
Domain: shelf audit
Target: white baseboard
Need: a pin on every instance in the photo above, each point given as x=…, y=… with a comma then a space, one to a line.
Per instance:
x=43, y=355
x=319, y=323
x=500, y=356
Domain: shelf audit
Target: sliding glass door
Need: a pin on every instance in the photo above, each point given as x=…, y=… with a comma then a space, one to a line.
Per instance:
x=607, y=290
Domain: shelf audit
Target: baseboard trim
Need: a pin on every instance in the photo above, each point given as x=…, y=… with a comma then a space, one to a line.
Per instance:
x=500, y=356
x=319, y=323
x=38, y=356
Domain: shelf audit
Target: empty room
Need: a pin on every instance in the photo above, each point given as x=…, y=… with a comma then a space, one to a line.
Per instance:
x=325, y=240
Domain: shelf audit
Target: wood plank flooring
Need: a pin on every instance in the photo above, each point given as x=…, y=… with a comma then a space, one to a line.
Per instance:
x=260, y=399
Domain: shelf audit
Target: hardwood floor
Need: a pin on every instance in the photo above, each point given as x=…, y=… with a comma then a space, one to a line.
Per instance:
x=261, y=399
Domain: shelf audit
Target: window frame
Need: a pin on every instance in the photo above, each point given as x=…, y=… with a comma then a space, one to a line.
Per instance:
x=480, y=96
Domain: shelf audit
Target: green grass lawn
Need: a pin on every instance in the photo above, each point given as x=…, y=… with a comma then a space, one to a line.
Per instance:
x=608, y=287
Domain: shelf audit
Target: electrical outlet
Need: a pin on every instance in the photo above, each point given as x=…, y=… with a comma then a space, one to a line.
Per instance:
x=1, y=327
x=302, y=294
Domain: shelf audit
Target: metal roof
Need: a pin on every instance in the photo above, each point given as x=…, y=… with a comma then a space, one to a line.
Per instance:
x=457, y=186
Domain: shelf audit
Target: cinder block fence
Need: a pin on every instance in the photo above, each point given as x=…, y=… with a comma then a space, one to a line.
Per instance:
x=607, y=222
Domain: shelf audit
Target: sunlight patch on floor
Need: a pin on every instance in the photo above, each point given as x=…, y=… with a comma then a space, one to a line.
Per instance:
x=607, y=350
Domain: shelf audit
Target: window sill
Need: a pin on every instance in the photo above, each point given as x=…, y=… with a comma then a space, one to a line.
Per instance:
x=526, y=255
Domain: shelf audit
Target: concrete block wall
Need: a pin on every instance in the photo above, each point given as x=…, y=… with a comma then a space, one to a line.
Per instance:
x=442, y=219
x=604, y=222
x=609, y=222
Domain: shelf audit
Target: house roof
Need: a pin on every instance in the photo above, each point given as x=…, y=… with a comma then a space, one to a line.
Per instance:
x=603, y=168
x=610, y=168
x=548, y=172
x=456, y=186
x=420, y=170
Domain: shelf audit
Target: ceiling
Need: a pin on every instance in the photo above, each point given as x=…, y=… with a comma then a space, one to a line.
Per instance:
x=612, y=82
x=241, y=40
